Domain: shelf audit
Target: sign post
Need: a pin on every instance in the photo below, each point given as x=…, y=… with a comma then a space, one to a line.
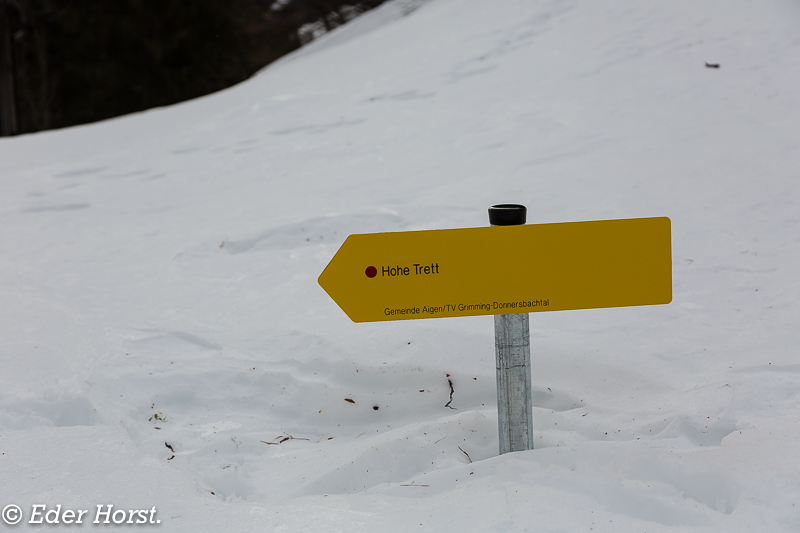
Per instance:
x=513, y=354
x=508, y=271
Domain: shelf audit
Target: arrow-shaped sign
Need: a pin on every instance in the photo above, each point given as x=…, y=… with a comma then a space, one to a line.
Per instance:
x=502, y=270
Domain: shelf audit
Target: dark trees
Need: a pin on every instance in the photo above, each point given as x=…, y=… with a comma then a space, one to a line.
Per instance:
x=80, y=61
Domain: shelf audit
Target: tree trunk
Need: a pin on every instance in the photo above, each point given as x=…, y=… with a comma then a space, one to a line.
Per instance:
x=9, y=123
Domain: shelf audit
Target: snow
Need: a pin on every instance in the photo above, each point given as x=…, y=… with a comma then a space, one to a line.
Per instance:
x=165, y=263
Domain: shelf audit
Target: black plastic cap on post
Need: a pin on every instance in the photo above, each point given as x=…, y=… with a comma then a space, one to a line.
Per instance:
x=507, y=215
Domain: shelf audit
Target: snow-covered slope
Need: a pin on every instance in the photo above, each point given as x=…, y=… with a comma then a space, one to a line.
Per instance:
x=158, y=282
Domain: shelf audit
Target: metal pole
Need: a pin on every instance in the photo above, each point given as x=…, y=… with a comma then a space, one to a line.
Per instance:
x=513, y=351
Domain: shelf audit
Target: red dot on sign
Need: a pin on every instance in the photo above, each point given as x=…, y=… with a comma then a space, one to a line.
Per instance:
x=371, y=272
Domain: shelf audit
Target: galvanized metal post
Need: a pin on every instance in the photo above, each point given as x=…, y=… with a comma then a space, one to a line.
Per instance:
x=513, y=351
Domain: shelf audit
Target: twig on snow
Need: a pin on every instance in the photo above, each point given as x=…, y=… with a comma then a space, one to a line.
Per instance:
x=465, y=453
x=281, y=439
x=452, y=390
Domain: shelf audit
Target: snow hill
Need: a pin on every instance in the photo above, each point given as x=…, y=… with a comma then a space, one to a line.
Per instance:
x=158, y=282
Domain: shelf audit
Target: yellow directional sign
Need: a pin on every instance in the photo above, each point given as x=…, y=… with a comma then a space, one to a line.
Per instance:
x=502, y=270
